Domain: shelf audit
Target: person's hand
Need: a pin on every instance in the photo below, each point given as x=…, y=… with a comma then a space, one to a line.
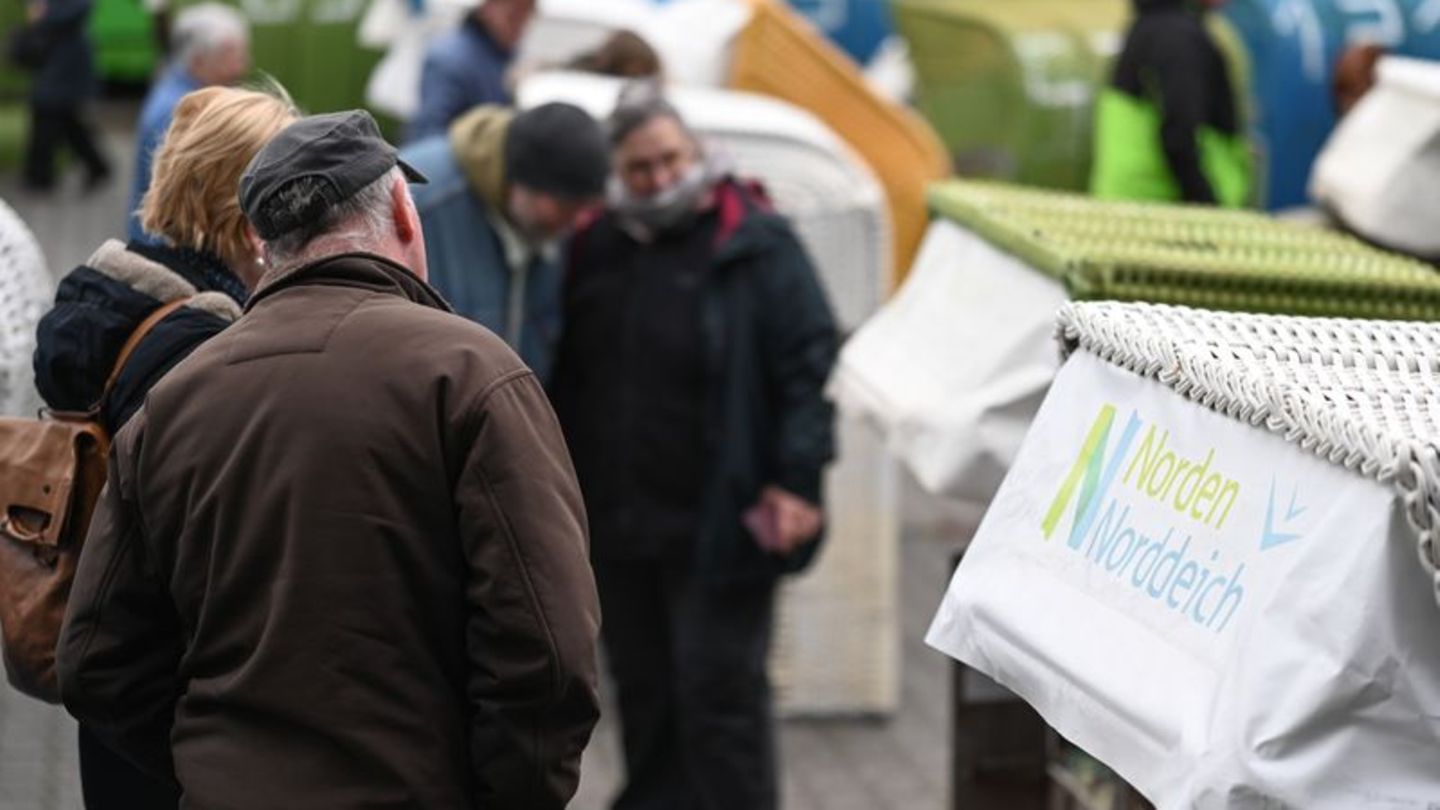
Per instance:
x=34, y=11
x=782, y=522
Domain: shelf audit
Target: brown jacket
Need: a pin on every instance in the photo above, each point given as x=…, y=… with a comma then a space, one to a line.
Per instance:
x=341, y=563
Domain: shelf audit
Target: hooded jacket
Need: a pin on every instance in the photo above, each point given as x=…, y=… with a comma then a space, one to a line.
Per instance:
x=769, y=343
x=1168, y=128
x=99, y=305
x=477, y=259
x=341, y=563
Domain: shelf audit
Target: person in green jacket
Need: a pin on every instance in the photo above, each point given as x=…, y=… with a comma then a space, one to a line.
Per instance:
x=1168, y=127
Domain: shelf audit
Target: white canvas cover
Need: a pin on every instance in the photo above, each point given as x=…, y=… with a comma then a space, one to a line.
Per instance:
x=1380, y=171
x=1202, y=567
x=394, y=85
x=563, y=28
x=953, y=368
x=694, y=39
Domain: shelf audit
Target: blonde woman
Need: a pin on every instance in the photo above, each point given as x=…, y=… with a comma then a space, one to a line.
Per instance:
x=208, y=264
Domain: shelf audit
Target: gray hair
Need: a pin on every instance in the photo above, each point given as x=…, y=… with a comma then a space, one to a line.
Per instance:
x=640, y=103
x=205, y=28
x=356, y=223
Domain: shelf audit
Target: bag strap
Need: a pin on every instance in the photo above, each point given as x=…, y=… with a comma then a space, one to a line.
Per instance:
x=132, y=343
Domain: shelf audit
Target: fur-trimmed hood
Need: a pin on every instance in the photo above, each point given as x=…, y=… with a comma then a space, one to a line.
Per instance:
x=100, y=304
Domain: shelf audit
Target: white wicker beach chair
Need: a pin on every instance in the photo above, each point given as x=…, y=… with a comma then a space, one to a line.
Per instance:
x=693, y=37
x=1361, y=394
x=1202, y=567
x=26, y=290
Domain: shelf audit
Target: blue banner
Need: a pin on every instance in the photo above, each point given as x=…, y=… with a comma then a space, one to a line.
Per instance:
x=1294, y=45
x=857, y=26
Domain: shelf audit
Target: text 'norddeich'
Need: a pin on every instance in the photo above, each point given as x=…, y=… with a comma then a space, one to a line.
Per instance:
x=1155, y=562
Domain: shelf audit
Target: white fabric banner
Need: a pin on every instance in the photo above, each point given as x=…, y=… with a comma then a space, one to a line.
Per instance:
x=954, y=366
x=1223, y=618
x=1380, y=170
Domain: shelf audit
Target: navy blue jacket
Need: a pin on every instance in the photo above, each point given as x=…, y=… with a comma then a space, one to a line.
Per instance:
x=463, y=69
x=67, y=77
x=770, y=342
x=99, y=305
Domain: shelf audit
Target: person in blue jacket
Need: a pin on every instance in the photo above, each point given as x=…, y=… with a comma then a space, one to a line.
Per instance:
x=466, y=68
x=211, y=46
x=504, y=188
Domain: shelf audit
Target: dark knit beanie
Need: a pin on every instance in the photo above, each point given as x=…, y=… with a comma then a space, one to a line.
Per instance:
x=557, y=149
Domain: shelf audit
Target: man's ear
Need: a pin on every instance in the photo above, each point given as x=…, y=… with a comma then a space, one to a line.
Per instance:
x=407, y=219
x=254, y=242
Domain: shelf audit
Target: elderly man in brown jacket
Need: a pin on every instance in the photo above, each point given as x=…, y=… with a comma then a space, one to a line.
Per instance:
x=341, y=561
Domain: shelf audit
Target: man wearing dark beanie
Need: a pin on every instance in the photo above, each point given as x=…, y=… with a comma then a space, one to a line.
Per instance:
x=504, y=188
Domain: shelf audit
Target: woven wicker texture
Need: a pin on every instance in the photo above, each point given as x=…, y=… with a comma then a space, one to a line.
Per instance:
x=25, y=294
x=1361, y=394
x=1192, y=256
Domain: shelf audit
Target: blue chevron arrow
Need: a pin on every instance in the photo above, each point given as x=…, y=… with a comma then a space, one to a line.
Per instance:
x=1272, y=538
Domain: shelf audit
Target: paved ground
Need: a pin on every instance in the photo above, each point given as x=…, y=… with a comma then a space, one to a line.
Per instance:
x=897, y=763
x=900, y=763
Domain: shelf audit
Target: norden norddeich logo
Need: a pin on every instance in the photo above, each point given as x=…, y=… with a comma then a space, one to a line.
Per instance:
x=1168, y=563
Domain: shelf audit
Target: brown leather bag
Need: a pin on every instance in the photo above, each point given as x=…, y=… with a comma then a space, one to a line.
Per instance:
x=52, y=470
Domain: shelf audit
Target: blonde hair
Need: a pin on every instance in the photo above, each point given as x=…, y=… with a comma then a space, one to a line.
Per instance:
x=193, y=200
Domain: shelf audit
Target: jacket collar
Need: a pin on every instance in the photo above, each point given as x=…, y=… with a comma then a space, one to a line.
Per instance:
x=476, y=29
x=355, y=270
x=742, y=205
x=205, y=270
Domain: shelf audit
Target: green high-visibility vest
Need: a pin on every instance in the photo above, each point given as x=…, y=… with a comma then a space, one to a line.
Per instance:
x=1130, y=158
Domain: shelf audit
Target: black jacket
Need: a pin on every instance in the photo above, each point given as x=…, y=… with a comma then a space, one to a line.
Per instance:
x=99, y=305
x=66, y=77
x=769, y=343
x=1170, y=59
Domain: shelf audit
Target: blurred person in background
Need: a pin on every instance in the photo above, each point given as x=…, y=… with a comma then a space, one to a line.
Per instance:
x=25, y=292
x=206, y=261
x=624, y=54
x=210, y=45
x=466, y=68
x=1168, y=128
x=689, y=381
x=504, y=188
x=61, y=89
x=1356, y=72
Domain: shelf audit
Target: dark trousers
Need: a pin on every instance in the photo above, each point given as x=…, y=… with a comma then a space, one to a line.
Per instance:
x=109, y=782
x=688, y=661
x=51, y=128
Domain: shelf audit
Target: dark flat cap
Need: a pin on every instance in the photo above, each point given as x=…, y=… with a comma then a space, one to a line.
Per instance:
x=343, y=149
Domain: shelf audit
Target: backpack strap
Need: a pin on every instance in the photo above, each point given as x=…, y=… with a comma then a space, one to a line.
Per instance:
x=132, y=343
